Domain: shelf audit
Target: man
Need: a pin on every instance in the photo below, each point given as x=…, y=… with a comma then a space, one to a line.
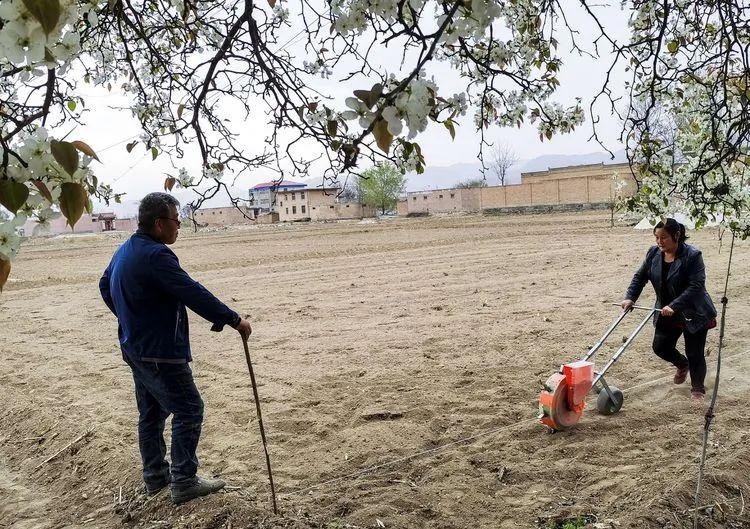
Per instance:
x=147, y=290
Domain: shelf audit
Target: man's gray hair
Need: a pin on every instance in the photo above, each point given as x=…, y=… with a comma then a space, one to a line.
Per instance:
x=153, y=206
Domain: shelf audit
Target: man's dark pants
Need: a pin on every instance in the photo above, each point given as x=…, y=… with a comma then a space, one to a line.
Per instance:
x=665, y=346
x=162, y=389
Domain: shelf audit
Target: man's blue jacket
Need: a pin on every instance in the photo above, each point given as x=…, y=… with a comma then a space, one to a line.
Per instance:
x=147, y=290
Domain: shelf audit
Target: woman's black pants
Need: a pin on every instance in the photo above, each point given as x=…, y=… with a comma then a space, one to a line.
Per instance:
x=665, y=346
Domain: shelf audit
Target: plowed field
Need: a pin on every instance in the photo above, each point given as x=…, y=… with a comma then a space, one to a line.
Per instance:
x=416, y=344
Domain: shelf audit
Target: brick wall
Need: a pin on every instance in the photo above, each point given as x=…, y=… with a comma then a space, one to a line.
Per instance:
x=223, y=216
x=573, y=191
x=588, y=184
x=402, y=208
x=516, y=195
x=471, y=199
x=494, y=196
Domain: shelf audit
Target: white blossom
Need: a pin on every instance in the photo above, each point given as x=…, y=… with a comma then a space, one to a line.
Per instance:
x=358, y=110
x=10, y=242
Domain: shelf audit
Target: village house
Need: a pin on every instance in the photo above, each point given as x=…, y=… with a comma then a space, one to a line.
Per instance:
x=88, y=223
x=318, y=204
x=263, y=197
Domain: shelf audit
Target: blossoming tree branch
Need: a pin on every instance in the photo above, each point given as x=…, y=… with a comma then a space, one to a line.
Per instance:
x=183, y=63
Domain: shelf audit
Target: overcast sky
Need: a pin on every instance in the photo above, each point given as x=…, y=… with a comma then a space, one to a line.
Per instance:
x=108, y=128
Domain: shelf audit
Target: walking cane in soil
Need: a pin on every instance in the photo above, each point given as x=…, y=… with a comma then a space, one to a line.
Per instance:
x=260, y=422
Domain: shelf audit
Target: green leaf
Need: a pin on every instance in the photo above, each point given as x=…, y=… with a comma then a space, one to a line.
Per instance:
x=47, y=12
x=451, y=128
x=13, y=195
x=85, y=149
x=66, y=155
x=129, y=146
x=73, y=200
x=672, y=46
x=71, y=105
x=154, y=153
x=89, y=206
x=332, y=127
x=4, y=272
x=180, y=110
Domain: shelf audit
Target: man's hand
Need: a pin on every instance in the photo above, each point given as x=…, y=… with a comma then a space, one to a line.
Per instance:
x=667, y=311
x=243, y=327
x=627, y=304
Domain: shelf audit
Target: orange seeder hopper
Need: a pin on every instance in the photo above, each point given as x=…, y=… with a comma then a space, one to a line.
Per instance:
x=562, y=401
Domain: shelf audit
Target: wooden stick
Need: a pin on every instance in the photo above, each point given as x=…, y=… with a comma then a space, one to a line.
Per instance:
x=260, y=423
x=66, y=447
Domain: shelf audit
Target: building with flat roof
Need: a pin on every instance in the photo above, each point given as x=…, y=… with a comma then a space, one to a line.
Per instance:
x=263, y=197
x=318, y=204
x=88, y=223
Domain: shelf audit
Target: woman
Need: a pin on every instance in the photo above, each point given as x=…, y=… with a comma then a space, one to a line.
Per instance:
x=678, y=275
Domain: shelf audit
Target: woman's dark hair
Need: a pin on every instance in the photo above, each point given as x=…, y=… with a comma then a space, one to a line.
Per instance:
x=674, y=229
x=153, y=206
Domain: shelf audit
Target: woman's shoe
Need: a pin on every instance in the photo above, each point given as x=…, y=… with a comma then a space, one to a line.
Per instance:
x=681, y=375
x=697, y=395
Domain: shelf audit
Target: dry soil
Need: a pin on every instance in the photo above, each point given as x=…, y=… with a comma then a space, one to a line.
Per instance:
x=420, y=344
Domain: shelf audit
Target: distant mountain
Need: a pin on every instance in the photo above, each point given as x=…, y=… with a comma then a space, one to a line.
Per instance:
x=549, y=161
x=446, y=177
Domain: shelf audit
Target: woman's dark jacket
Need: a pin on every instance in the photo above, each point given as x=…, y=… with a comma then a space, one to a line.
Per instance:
x=686, y=285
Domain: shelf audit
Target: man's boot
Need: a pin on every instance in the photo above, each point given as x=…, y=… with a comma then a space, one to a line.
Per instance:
x=155, y=487
x=199, y=487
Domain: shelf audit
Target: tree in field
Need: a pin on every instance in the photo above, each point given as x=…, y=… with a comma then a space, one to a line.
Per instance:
x=472, y=182
x=196, y=72
x=503, y=158
x=381, y=186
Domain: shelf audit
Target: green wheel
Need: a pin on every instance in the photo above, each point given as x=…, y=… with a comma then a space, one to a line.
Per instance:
x=605, y=404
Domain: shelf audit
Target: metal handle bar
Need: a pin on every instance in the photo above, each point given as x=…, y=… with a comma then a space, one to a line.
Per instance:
x=601, y=341
x=623, y=347
x=639, y=307
x=612, y=327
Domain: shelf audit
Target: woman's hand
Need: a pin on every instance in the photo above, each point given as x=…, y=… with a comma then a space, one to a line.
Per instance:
x=627, y=304
x=667, y=311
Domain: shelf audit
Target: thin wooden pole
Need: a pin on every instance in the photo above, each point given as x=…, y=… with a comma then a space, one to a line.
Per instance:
x=710, y=412
x=260, y=422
